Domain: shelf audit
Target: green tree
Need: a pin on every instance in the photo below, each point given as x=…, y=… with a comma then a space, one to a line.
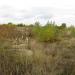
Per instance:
x=63, y=25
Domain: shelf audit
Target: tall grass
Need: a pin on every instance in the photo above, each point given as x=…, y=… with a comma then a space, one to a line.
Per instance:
x=56, y=58
x=58, y=62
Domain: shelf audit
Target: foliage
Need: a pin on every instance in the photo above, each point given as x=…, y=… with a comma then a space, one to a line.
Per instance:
x=71, y=31
x=63, y=25
x=7, y=31
x=46, y=33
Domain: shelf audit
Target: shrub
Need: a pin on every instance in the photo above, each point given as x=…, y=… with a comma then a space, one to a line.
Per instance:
x=46, y=33
x=7, y=31
x=71, y=30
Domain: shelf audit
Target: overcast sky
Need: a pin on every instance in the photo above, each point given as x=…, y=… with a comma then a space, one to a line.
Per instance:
x=29, y=11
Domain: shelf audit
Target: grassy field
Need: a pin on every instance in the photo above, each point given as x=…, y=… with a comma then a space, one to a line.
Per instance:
x=37, y=50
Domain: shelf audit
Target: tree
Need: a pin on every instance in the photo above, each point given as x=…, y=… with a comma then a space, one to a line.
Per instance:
x=20, y=25
x=37, y=24
x=63, y=25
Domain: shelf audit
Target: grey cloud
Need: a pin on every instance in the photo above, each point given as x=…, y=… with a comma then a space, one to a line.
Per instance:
x=43, y=12
x=8, y=13
x=36, y=13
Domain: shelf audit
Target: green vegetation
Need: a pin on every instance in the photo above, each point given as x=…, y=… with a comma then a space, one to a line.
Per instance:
x=37, y=50
x=46, y=33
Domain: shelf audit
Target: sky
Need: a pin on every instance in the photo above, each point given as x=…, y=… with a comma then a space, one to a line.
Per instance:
x=29, y=11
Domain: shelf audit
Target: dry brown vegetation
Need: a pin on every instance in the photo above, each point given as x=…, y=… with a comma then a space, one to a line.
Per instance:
x=49, y=50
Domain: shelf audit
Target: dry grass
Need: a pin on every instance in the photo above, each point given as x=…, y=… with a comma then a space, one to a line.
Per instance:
x=43, y=58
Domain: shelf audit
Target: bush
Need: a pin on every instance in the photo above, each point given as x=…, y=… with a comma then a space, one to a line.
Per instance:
x=46, y=33
x=71, y=30
x=7, y=31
